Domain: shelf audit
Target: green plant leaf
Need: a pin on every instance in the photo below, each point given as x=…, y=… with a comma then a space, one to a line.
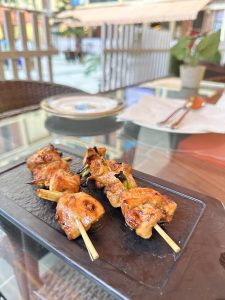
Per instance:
x=208, y=45
x=216, y=58
x=92, y=64
x=181, y=50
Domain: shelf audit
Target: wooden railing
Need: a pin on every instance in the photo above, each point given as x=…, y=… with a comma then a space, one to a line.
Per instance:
x=132, y=54
x=31, y=50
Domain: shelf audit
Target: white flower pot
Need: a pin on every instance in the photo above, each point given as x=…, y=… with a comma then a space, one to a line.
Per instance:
x=191, y=76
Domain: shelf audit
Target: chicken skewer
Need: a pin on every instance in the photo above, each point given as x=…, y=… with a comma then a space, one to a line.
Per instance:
x=43, y=156
x=117, y=186
x=50, y=170
x=75, y=212
x=142, y=208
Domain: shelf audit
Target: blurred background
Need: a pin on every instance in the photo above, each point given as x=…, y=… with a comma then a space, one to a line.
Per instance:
x=98, y=45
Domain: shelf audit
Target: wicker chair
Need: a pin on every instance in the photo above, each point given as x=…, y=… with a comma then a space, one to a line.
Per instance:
x=15, y=95
x=214, y=72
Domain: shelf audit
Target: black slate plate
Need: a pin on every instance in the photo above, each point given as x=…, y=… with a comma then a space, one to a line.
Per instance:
x=123, y=255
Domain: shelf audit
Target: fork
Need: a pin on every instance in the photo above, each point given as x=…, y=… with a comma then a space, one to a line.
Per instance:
x=186, y=106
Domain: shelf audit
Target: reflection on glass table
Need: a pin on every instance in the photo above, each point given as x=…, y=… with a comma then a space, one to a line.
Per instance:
x=79, y=128
x=32, y=272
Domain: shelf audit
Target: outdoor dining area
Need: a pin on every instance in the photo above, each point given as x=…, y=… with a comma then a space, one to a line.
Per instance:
x=117, y=193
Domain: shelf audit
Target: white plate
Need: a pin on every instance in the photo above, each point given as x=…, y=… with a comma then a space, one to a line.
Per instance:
x=167, y=129
x=81, y=107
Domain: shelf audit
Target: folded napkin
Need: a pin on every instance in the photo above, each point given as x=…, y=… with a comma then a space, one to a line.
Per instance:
x=152, y=109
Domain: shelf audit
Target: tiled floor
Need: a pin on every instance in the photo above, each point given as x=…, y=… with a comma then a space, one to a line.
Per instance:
x=52, y=270
x=47, y=262
x=8, y=284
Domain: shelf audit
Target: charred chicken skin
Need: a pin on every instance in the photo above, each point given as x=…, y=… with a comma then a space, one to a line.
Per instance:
x=156, y=199
x=142, y=208
x=44, y=172
x=113, y=187
x=125, y=170
x=43, y=156
x=51, y=171
x=64, y=181
x=92, y=154
x=141, y=216
x=95, y=159
x=115, y=177
x=80, y=205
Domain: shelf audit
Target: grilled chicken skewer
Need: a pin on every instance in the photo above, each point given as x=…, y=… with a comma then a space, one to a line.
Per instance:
x=52, y=171
x=43, y=156
x=142, y=208
x=115, y=177
x=143, y=195
x=62, y=181
x=43, y=173
x=75, y=211
x=71, y=206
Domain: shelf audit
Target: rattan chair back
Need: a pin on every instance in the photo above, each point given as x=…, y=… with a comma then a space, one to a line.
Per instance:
x=19, y=94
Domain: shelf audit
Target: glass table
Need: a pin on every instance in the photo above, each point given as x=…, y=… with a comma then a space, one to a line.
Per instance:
x=31, y=270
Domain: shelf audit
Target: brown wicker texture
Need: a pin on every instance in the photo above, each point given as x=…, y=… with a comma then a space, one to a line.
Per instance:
x=18, y=94
x=214, y=72
x=217, y=78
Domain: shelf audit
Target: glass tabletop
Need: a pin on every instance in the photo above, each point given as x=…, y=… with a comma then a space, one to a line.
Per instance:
x=196, y=162
x=150, y=151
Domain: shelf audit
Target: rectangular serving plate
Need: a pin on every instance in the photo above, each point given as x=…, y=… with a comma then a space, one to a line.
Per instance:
x=128, y=264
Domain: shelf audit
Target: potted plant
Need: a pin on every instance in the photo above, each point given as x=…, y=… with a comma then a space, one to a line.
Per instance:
x=191, y=50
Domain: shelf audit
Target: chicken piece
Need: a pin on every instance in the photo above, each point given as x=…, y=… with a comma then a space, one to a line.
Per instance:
x=92, y=154
x=113, y=187
x=98, y=167
x=125, y=169
x=64, y=181
x=95, y=158
x=43, y=173
x=141, y=215
x=120, y=171
x=43, y=156
x=156, y=199
x=80, y=205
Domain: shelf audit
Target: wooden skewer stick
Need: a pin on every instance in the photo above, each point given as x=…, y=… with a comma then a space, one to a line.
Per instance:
x=168, y=239
x=54, y=196
x=91, y=249
x=48, y=195
x=67, y=158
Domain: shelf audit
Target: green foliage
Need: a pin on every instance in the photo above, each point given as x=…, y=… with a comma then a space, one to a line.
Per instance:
x=181, y=50
x=76, y=32
x=208, y=45
x=193, y=49
x=216, y=58
x=92, y=64
x=174, y=67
